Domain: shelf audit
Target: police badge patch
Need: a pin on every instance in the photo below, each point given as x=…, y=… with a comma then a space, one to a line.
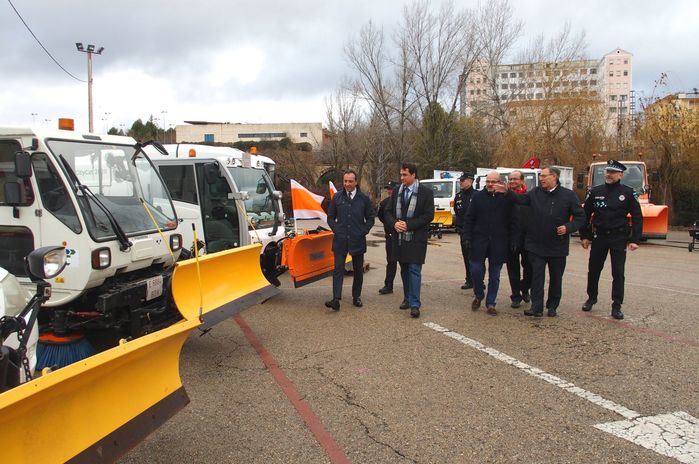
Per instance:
x=622, y=198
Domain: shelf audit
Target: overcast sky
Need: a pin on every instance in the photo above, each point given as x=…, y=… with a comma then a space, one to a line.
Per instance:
x=268, y=61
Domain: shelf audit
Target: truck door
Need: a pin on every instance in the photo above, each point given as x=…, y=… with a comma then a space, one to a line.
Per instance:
x=20, y=230
x=181, y=182
x=219, y=212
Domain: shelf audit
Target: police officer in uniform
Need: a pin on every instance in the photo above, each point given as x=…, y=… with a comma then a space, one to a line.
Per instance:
x=462, y=201
x=391, y=263
x=607, y=207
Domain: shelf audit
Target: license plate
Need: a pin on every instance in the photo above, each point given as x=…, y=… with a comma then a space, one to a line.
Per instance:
x=154, y=287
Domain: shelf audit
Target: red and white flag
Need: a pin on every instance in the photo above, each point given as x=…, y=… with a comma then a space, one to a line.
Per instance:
x=333, y=190
x=531, y=163
x=306, y=204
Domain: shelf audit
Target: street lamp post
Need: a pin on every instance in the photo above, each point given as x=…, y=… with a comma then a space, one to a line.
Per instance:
x=90, y=50
x=34, y=115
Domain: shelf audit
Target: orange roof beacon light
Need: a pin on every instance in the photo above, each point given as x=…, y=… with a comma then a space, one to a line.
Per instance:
x=66, y=124
x=253, y=150
x=192, y=153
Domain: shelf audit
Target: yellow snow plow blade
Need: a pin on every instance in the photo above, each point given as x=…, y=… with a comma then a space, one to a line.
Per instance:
x=654, y=220
x=231, y=281
x=96, y=409
x=443, y=217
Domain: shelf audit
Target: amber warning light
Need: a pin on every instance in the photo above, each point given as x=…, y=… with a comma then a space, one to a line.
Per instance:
x=66, y=124
x=192, y=153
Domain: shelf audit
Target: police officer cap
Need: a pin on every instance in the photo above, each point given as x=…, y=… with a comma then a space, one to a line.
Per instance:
x=390, y=185
x=614, y=165
x=466, y=175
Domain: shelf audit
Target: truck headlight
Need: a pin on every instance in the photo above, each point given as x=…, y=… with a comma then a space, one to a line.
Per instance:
x=47, y=262
x=175, y=242
x=101, y=258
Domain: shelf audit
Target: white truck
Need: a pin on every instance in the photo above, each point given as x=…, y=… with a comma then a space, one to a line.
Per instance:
x=210, y=186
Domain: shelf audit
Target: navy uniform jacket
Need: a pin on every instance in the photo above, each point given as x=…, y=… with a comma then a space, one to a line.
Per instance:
x=351, y=221
x=462, y=201
x=491, y=226
x=607, y=207
x=547, y=211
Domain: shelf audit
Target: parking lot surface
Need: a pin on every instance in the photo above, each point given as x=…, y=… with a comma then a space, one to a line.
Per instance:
x=291, y=381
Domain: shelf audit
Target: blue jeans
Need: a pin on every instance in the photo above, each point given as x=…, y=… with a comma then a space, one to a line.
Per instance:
x=478, y=273
x=411, y=275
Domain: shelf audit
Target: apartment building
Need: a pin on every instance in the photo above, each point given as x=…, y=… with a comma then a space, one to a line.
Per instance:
x=226, y=132
x=608, y=80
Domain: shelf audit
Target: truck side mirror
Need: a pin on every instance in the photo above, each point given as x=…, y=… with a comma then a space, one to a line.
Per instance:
x=261, y=188
x=211, y=173
x=23, y=165
x=655, y=176
x=277, y=194
x=13, y=194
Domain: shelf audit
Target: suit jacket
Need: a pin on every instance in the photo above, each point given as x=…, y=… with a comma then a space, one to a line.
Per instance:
x=491, y=226
x=350, y=221
x=414, y=251
x=381, y=214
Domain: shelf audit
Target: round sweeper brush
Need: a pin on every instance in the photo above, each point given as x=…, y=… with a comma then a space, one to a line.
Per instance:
x=59, y=351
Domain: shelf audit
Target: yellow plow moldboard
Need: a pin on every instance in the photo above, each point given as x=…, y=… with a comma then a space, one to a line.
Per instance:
x=98, y=408
x=231, y=281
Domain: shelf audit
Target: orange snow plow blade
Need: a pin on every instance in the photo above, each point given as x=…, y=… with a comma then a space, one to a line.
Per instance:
x=220, y=284
x=309, y=257
x=96, y=409
x=654, y=221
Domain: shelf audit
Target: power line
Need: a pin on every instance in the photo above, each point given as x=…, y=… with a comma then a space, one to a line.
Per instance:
x=42, y=45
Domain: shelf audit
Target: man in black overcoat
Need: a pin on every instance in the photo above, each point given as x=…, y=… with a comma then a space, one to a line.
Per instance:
x=391, y=263
x=410, y=213
x=350, y=217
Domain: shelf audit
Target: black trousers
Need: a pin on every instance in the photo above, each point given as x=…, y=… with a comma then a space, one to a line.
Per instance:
x=391, y=264
x=616, y=247
x=556, y=267
x=515, y=262
x=339, y=274
x=465, y=253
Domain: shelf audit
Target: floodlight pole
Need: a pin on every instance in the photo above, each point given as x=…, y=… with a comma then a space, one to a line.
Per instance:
x=89, y=50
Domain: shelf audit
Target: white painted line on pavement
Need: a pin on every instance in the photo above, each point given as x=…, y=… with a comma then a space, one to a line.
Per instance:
x=536, y=372
x=675, y=435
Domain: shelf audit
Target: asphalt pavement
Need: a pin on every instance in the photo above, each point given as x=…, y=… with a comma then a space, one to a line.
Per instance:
x=373, y=385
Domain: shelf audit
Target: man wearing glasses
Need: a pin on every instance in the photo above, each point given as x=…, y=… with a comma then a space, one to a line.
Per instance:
x=517, y=255
x=547, y=242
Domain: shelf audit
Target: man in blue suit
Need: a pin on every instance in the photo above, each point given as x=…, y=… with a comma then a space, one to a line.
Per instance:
x=351, y=217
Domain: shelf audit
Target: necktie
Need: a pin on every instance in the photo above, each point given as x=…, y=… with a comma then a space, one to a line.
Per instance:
x=406, y=196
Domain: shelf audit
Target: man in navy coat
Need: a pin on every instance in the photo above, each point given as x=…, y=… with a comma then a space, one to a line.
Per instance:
x=489, y=231
x=351, y=217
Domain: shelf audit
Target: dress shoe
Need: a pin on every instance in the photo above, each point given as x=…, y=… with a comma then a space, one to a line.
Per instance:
x=551, y=312
x=515, y=304
x=587, y=306
x=385, y=290
x=414, y=312
x=530, y=312
x=466, y=285
x=404, y=304
x=616, y=313
x=491, y=310
x=357, y=302
x=333, y=304
x=476, y=304
x=525, y=296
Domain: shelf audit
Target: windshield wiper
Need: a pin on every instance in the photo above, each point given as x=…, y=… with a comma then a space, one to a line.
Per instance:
x=124, y=242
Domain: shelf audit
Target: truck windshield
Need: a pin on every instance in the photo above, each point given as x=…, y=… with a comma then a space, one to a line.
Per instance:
x=442, y=189
x=119, y=180
x=634, y=176
x=261, y=206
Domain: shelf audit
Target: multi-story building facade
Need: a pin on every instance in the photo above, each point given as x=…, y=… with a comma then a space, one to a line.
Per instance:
x=608, y=81
x=225, y=132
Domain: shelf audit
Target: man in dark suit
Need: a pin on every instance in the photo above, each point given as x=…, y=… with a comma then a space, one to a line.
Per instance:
x=391, y=263
x=517, y=255
x=351, y=217
x=490, y=231
x=410, y=213
x=547, y=242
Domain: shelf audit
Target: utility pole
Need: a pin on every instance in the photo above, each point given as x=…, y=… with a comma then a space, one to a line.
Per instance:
x=90, y=50
x=34, y=115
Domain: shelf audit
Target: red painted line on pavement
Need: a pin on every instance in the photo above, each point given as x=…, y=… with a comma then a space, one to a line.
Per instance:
x=657, y=333
x=324, y=438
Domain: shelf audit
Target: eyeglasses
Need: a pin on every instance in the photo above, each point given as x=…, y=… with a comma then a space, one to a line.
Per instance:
x=491, y=181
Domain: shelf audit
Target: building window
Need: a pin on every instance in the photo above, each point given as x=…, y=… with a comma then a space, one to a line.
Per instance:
x=503, y=86
x=503, y=75
x=513, y=86
x=626, y=73
x=612, y=97
x=521, y=85
x=618, y=74
x=530, y=85
x=521, y=74
x=472, y=92
x=626, y=61
x=263, y=135
x=303, y=134
x=208, y=137
x=583, y=71
x=611, y=73
x=478, y=91
x=539, y=85
x=539, y=96
x=623, y=97
x=503, y=97
x=612, y=109
x=593, y=71
x=513, y=74
x=593, y=82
